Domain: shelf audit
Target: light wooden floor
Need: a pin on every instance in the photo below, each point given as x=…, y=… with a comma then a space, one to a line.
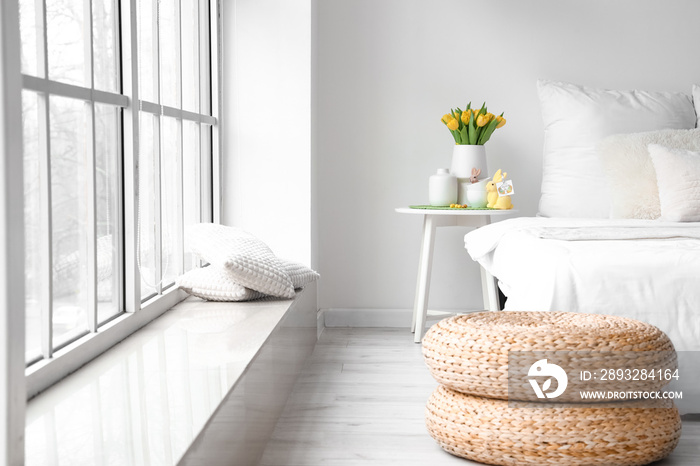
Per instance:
x=360, y=400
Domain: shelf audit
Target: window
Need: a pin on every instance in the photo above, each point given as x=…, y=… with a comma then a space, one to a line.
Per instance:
x=120, y=145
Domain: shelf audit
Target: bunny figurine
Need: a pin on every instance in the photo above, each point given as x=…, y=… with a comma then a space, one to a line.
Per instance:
x=494, y=200
x=475, y=175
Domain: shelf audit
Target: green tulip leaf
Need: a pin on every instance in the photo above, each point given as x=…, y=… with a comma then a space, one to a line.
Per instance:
x=472, y=129
x=488, y=131
x=464, y=133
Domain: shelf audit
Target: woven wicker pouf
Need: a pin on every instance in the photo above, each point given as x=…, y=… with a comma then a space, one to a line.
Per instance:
x=489, y=431
x=469, y=416
x=469, y=353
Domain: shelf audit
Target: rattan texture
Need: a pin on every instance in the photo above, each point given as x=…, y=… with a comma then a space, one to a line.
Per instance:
x=519, y=433
x=469, y=353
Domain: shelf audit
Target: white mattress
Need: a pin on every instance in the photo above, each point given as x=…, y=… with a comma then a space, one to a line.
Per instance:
x=646, y=270
x=655, y=280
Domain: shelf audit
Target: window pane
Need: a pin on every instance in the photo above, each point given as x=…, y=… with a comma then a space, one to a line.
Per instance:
x=171, y=205
x=104, y=44
x=32, y=226
x=27, y=27
x=66, y=41
x=70, y=193
x=169, y=51
x=147, y=211
x=191, y=179
x=108, y=180
x=146, y=50
x=190, y=55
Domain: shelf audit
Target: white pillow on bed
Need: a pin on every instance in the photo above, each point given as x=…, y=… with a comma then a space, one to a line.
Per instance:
x=576, y=118
x=630, y=171
x=678, y=177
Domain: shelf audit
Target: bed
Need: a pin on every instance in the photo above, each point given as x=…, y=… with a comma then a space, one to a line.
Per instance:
x=643, y=269
x=618, y=230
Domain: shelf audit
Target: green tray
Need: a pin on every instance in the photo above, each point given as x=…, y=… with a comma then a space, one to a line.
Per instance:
x=433, y=207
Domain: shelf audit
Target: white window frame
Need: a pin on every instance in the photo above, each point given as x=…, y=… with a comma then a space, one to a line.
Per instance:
x=56, y=364
x=12, y=381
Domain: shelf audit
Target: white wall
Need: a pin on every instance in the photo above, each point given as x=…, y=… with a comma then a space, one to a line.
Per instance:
x=267, y=146
x=388, y=70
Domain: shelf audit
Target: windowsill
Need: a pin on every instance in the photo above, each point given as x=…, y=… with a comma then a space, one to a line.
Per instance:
x=146, y=399
x=45, y=373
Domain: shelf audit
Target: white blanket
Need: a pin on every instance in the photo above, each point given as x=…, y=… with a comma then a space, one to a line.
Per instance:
x=482, y=241
x=646, y=270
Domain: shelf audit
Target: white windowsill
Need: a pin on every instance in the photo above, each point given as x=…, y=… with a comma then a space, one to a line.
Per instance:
x=146, y=399
x=43, y=374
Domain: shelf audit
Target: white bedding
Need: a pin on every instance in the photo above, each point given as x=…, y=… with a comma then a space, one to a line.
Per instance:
x=643, y=269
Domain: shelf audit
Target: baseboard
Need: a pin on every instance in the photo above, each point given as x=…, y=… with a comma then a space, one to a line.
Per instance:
x=395, y=318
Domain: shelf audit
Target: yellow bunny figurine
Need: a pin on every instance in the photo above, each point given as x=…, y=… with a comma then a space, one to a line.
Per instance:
x=494, y=200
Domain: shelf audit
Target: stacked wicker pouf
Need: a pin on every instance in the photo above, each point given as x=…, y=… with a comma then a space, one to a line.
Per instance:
x=470, y=415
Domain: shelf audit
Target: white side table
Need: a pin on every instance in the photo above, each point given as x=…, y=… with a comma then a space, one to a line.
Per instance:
x=447, y=218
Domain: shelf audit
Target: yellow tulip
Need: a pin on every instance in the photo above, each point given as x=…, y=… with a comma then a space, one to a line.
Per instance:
x=456, y=114
x=482, y=120
x=465, y=116
x=501, y=121
x=490, y=116
x=450, y=121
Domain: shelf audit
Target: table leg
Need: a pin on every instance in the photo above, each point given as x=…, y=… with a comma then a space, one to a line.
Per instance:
x=489, y=291
x=420, y=308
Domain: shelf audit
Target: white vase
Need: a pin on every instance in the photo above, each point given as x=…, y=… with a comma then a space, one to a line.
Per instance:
x=442, y=188
x=464, y=158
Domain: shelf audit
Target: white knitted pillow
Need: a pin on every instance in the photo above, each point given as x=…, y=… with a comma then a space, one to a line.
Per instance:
x=215, y=284
x=251, y=263
x=300, y=274
x=678, y=176
x=630, y=172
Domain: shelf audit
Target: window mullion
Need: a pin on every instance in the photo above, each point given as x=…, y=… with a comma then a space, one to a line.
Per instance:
x=158, y=211
x=72, y=91
x=201, y=109
x=215, y=96
x=42, y=65
x=157, y=153
x=46, y=296
x=205, y=132
x=130, y=88
x=203, y=35
x=91, y=219
x=179, y=253
x=12, y=259
x=91, y=157
x=45, y=200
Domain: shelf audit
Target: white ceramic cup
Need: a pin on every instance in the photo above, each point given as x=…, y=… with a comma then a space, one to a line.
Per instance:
x=476, y=194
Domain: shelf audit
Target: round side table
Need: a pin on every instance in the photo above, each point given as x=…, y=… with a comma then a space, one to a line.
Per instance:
x=433, y=218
